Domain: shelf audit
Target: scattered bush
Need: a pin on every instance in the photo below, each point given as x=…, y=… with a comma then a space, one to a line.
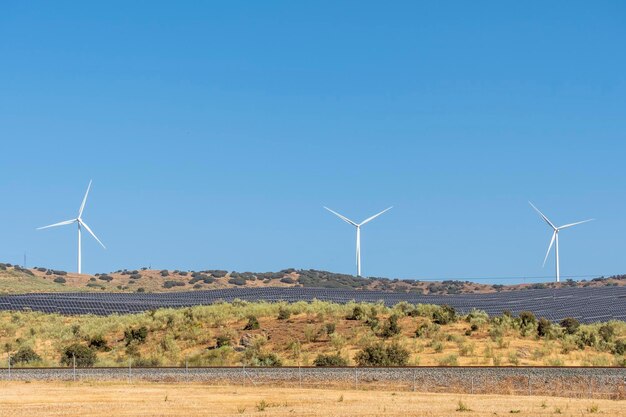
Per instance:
x=164, y=273
x=237, y=281
x=135, y=335
x=379, y=355
x=283, y=313
x=266, y=359
x=426, y=330
x=543, y=327
x=172, y=284
x=450, y=360
x=98, y=342
x=222, y=340
x=357, y=314
x=391, y=327
x=85, y=356
x=25, y=354
x=570, y=325
x=527, y=318
x=330, y=360
x=620, y=347
x=59, y=280
x=252, y=324
x=105, y=277
x=444, y=315
x=606, y=332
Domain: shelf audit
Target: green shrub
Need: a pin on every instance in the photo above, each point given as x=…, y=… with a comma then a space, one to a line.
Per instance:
x=85, y=356
x=450, y=360
x=266, y=359
x=379, y=355
x=357, y=314
x=527, y=318
x=570, y=325
x=329, y=328
x=330, y=360
x=60, y=280
x=543, y=327
x=172, y=284
x=372, y=322
x=237, y=281
x=135, y=335
x=391, y=327
x=25, y=354
x=587, y=337
x=620, y=347
x=252, y=324
x=98, y=342
x=426, y=330
x=283, y=313
x=606, y=332
x=444, y=315
x=222, y=340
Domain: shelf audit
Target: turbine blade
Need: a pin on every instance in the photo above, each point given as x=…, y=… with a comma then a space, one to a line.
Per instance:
x=543, y=216
x=82, y=206
x=549, y=247
x=574, y=224
x=344, y=218
x=58, y=224
x=369, y=219
x=92, y=233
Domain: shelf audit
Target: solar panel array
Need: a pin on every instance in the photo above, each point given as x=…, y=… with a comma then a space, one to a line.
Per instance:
x=585, y=304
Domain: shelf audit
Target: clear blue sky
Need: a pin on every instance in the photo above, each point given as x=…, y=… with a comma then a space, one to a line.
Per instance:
x=215, y=132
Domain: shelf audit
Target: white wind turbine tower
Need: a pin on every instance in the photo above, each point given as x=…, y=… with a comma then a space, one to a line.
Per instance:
x=80, y=223
x=555, y=239
x=358, y=234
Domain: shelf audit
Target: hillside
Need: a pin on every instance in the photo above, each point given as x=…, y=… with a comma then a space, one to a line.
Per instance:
x=14, y=279
x=274, y=334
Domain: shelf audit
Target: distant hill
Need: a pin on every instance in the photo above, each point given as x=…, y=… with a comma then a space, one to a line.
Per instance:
x=14, y=279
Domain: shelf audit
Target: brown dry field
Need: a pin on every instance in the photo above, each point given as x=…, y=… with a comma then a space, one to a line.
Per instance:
x=21, y=399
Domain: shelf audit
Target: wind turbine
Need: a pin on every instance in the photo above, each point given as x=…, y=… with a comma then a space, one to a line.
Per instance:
x=81, y=223
x=555, y=239
x=358, y=233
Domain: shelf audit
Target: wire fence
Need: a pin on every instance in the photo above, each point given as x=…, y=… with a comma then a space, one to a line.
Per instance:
x=579, y=382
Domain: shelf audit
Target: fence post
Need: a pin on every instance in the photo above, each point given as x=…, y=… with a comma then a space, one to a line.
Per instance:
x=186, y=369
x=74, y=367
x=243, y=374
x=300, y=375
x=356, y=378
x=129, y=370
x=413, y=379
x=9, y=366
x=590, y=387
x=472, y=385
x=530, y=388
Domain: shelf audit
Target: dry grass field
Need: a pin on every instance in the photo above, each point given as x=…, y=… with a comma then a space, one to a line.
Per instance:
x=21, y=399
